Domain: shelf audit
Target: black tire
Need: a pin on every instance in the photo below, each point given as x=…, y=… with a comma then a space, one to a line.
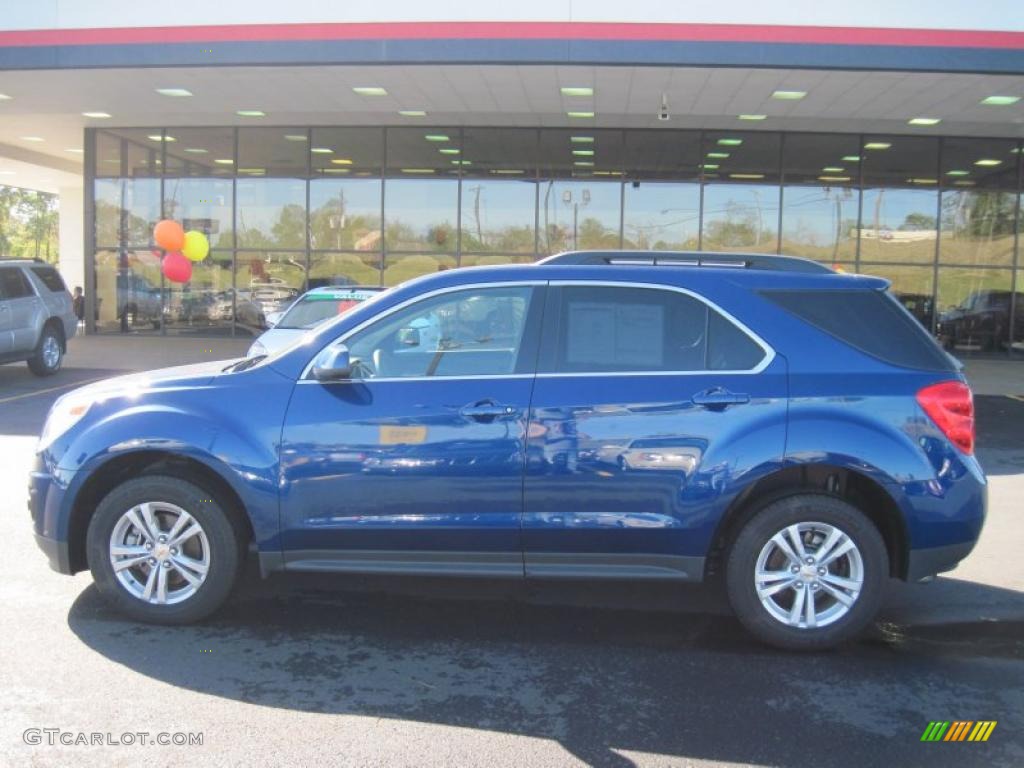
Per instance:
x=37, y=363
x=773, y=518
x=225, y=536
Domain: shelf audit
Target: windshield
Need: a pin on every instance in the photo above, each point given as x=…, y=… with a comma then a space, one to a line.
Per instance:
x=317, y=306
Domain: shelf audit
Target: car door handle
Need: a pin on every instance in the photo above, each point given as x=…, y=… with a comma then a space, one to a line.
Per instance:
x=719, y=397
x=487, y=410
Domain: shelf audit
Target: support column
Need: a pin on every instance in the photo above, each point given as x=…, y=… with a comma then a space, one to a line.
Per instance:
x=71, y=237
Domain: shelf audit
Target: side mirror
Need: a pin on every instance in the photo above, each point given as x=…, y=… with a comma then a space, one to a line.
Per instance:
x=333, y=364
x=409, y=337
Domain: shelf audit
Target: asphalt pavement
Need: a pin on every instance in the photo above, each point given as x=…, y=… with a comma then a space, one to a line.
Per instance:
x=360, y=671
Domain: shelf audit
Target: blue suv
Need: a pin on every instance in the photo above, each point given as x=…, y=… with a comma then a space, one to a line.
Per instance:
x=602, y=415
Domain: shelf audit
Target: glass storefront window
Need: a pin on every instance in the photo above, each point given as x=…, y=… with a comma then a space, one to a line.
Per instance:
x=421, y=190
x=200, y=152
x=126, y=211
x=579, y=214
x=399, y=268
x=344, y=269
x=660, y=216
x=900, y=201
x=345, y=214
x=979, y=200
x=659, y=154
x=1017, y=328
x=272, y=152
x=974, y=310
x=337, y=152
x=820, y=197
x=206, y=205
x=741, y=204
x=131, y=152
x=128, y=290
x=266, y=282
x=271, y=213
x=203, y=305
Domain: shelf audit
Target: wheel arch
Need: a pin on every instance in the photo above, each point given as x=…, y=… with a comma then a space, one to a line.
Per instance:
x=151, y=462
x=861, y=490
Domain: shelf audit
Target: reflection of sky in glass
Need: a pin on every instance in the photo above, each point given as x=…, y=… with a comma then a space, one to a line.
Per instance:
x=813, y=215
x=260, y=201
x=194, y=200
x=421, y=204
x=661, y=213
x=502, y=204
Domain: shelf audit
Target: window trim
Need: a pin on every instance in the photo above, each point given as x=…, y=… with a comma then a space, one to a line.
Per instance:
x=307, y=371
x=26, y=282
x=769, y=352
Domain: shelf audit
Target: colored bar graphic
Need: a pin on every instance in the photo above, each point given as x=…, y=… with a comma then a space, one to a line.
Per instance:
x=959, y=730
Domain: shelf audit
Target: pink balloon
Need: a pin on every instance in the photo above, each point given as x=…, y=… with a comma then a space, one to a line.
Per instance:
x=177, y=268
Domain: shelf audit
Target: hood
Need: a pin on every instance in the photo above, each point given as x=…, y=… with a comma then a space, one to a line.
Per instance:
x=277, y=339
x=178, y=377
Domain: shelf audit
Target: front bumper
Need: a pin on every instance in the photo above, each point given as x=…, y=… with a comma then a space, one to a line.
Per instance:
x=923, y=563
x=45, y=500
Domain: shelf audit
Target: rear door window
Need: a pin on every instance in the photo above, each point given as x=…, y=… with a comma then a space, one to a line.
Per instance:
x=871, y=321
x=13, y=284
x=613, y=329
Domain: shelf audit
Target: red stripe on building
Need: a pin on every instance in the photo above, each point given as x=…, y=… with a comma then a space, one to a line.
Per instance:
x=525, y=30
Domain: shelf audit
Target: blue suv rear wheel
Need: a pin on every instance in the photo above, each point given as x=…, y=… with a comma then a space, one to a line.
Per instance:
x=807, y=571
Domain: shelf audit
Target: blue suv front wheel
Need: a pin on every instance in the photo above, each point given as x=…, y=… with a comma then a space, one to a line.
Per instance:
x=807, y=571
x=164, y=550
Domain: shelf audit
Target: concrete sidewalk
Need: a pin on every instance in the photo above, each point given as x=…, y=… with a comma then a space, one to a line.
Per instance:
x=142, y=353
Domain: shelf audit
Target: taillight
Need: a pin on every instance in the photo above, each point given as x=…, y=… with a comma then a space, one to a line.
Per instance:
x=951, y=406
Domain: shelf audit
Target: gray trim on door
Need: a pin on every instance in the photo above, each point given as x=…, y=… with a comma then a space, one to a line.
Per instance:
x=587, y=565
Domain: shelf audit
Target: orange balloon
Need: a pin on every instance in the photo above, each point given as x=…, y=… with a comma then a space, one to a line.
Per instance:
x=169, y=235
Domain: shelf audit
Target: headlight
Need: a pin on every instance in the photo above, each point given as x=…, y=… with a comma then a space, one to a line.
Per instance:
x=256, y=349
x=64, y=414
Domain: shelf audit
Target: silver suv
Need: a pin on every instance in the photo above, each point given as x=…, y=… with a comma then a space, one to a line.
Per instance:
x=36, y=315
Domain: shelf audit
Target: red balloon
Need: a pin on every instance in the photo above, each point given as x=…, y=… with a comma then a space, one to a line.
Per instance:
x=177, y=268
x=169, y=235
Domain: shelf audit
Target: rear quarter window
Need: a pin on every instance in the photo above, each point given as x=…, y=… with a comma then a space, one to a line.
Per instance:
x=51, y=278
x=868, y=320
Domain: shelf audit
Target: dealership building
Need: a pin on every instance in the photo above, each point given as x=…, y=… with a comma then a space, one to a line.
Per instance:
x=317, y=142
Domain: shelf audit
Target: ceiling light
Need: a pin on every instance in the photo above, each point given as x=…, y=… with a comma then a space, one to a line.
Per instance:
x=583, y=152
x=76, y=150
x=718, y=155
x=341, y=160
x=922, y=181
x=224, y=161
x=833, y=178
x=751, y=117
x=788, y=95
x=251, y=113
x=370, y=90
x=32, y=138
x=578, y=91
x=412, y=113
x=851, y=158
x=607, y=173
x=5, y=97
x=7, y=173
x=1000, y=101
x=196, y=151
x=158, y=137
x=334, y=170
x=832, y=169
x=923, y=121
x=988, y=162
x=581, y=139
x=461, y=162
x=256, y=171
x=174, y=91
x=417, y=170
x=580, y=114
x=584, y=163
x=295, y=137
x=964, y=183
x=322, y=151
x=449, y=151
x=97, y=115
x=746, y=175
x=709, y=166
x=729, y=142
x=508, y=171
x=877, y=145
x=958, y=173
x=436, y=137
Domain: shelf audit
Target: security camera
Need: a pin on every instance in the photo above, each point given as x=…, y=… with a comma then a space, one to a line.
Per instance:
x=663, y=113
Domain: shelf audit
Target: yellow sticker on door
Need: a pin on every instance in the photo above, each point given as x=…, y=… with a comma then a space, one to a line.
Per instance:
x=400, y=435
